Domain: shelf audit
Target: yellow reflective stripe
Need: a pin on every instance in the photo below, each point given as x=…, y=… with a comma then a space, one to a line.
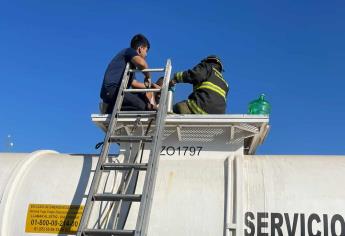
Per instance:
x=213, y=87
x=217, y=72
x=179, y=76
x=215, y=90
x=220, y=76
x=176, y=76
x=195, y=108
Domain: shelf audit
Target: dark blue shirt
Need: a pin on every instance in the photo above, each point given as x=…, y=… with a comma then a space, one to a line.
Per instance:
x=114, y=73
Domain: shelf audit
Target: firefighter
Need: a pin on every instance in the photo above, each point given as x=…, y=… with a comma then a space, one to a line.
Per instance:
x=209, y=88
x=135, y=55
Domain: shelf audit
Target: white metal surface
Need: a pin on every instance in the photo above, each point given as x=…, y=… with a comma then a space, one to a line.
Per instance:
x=293, y=195
x=205, y=194
x=39, y=177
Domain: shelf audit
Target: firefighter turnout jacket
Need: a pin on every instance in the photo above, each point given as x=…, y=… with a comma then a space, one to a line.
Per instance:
x=209, y=88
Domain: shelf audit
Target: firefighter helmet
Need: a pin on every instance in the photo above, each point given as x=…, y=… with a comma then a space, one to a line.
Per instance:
x=214, y=58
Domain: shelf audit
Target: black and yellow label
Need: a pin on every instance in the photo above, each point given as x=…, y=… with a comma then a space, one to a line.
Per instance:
x=51, y=218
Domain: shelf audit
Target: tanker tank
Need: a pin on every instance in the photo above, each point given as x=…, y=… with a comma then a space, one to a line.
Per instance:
x=209, y=182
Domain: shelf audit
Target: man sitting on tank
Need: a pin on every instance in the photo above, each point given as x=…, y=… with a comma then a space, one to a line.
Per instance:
x=136, y=57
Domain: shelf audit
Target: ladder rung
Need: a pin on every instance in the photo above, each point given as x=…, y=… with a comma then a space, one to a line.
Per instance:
x=107, y=232
x=131, y=139
x=117, y=197
x=143, y=114
x=148, y=70
x=141, y=90
x=124, y=166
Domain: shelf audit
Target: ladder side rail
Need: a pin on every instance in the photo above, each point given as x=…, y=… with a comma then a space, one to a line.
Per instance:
x=151, y=174
x=104, y=153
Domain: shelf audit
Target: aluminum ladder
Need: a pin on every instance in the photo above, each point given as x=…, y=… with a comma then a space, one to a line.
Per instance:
x=150, y=168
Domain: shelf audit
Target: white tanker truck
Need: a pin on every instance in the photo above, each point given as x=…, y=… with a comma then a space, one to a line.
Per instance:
x=209, y=183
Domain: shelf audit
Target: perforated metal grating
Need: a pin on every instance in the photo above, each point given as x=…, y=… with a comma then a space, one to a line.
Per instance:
x=240, y=135
x=248, y=127
x=196, y=134
x=169, y=131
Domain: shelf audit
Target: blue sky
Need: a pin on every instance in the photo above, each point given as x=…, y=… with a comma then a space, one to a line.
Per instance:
x=53, y=55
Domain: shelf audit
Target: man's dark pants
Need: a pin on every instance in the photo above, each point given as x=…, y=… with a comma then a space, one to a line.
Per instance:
x=131, y=102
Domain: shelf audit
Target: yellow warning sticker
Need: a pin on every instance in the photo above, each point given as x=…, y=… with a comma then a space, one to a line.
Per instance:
x=54, y=219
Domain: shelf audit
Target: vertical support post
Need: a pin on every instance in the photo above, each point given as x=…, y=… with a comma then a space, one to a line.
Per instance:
x=230, y=196
x=234, y=194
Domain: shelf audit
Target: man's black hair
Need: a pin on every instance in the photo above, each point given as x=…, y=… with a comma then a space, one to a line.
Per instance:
x=140, y=40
